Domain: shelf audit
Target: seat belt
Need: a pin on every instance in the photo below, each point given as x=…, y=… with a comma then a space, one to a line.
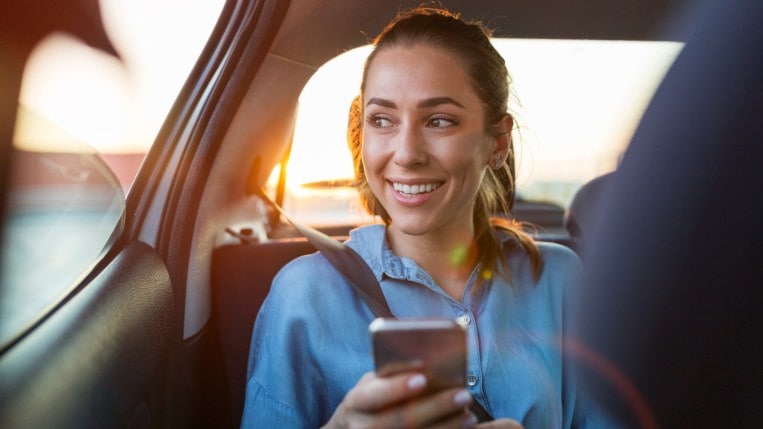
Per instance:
x=357, y=273
x=346, y=261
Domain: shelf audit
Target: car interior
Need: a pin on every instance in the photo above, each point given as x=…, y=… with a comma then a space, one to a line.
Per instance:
x=156, y=333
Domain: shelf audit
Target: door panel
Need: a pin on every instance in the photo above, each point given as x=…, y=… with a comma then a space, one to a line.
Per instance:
x=96, y=361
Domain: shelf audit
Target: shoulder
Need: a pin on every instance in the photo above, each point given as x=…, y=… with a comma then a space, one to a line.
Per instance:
x=307, y=286
x=555, y=254
x=560, y=264
x=299, y=296
x=551, y=253
x=301, y=276
x=303, y=264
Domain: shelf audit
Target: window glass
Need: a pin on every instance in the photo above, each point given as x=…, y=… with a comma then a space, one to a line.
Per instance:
x=576, y=103
x=84, y=124
x=63, y=208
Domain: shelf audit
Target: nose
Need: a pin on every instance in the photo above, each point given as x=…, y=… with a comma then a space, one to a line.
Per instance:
x=411, y=147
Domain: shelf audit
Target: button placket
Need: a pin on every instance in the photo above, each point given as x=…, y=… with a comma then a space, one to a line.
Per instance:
x=473, y=371
x=471, y=379
x=464, y=320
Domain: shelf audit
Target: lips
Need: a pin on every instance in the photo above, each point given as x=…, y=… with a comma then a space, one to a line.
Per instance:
x=415, y=189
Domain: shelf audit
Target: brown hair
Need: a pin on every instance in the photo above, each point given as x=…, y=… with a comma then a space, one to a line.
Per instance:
x=470, y=41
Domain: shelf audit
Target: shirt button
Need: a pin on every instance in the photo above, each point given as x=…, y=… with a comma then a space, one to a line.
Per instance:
x=471, y=379
x=464, y=320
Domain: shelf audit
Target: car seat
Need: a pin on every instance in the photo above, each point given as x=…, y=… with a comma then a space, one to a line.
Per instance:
x=585, y=207
x=673, y=287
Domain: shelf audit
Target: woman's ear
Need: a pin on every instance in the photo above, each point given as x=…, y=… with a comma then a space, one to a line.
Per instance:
x=502, y=140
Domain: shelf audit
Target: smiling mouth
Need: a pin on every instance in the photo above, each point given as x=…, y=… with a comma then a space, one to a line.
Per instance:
x=415, y=189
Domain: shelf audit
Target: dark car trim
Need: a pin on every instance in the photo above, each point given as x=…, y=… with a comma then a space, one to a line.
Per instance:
x=93, y=362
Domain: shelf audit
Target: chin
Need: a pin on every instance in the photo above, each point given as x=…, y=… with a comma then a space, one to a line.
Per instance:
x=416, y=226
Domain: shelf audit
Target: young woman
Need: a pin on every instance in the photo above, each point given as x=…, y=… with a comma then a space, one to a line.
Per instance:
x=431, y=143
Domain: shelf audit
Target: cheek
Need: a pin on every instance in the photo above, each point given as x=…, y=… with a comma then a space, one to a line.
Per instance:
x=375, y=149
x=469, y=155
x=371, y=158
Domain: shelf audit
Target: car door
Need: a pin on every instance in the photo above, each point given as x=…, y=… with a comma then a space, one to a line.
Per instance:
x=114, y=350
x=95, y=357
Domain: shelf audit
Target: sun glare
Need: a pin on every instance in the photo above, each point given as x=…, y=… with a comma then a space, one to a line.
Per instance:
x=113, y=105
x=320, y=135
x=77, y=89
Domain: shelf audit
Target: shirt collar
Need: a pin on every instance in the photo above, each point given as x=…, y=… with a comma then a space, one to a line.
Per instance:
x=370, y=242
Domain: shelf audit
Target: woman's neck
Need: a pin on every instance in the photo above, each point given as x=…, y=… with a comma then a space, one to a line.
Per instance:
x=448, y=256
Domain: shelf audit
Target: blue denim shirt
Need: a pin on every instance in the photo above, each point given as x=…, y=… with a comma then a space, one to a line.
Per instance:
x=311, y=343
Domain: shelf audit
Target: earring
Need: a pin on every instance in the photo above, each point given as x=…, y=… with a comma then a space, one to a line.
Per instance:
x=497, y=163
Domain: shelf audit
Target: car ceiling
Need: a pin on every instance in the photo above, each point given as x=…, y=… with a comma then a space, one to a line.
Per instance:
x=344, y=24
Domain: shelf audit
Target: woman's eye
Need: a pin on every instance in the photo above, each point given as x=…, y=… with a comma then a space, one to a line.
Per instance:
x=441, y=122
x=379, y=122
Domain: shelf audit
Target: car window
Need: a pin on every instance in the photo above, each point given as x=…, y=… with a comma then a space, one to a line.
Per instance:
x=84, y=124
x=576, y=103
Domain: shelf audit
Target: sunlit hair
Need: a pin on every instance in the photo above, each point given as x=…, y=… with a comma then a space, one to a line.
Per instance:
x=470, y=42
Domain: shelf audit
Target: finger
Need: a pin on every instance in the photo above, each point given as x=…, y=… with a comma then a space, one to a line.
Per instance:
x=445, y=409
x=445, y=403
x=374, y=393
x=500, y=424
x=461, y=420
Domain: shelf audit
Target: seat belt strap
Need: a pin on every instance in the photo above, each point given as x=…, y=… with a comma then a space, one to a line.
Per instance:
x=346, y=261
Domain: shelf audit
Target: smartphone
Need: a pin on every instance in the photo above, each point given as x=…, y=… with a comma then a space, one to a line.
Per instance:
x=435, y=347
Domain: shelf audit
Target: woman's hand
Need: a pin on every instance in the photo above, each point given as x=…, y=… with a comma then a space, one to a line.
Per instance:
x=500, y=424
x=395, y=402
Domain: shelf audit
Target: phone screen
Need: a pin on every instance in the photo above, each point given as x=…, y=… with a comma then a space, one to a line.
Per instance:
x=435, y=347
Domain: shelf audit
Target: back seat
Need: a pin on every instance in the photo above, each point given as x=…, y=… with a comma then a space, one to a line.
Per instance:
x=241, y=276
x=584, y=208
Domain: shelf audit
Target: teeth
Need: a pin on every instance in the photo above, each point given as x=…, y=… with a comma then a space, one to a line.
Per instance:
x=415, y=189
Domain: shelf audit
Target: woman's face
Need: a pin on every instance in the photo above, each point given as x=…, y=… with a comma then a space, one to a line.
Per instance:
x=425, y=145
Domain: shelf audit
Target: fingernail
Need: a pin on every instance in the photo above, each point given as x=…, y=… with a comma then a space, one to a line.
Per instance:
x=462, y=398
x=417, y=382
x=470, y=421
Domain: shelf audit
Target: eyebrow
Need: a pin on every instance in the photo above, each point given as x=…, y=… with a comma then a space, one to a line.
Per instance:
x=429, y=102
x=436, y=101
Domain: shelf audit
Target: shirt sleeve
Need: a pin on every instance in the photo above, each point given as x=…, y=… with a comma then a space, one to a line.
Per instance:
x=281, y=380
x=305, y=353
x=261, y=409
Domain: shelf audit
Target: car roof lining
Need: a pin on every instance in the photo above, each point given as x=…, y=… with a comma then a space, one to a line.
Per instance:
x=344, y=25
